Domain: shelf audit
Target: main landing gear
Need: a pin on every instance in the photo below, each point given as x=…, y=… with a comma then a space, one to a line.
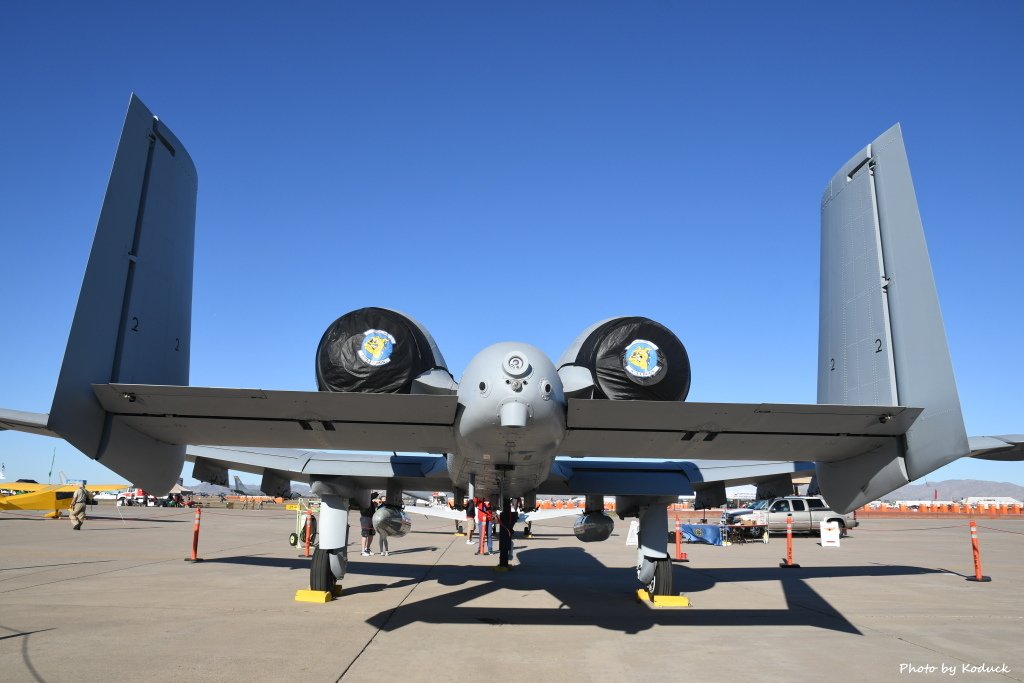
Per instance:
x=330, y=559
x=661, y=581
x=654, y=567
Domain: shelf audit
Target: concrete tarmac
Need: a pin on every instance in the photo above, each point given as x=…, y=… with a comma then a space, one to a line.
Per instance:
x=115, y=601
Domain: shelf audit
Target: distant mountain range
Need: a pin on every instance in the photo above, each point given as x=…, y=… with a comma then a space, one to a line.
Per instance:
x=214, y=490
x=955, y=489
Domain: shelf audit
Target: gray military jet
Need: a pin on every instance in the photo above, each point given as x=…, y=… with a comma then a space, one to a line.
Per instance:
x=608, y=418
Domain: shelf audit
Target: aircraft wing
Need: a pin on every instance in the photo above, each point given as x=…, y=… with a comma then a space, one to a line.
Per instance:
x=363, y=470
x=283, y=419
x=652, y=477
x=422, y=423
x=569, y=476
x=730, y=431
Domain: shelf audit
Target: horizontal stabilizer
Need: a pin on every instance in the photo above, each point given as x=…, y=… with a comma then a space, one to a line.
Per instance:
x=1009, y=447
x=18, y=421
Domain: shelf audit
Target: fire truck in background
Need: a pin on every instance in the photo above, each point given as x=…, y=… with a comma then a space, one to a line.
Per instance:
x=135, y=496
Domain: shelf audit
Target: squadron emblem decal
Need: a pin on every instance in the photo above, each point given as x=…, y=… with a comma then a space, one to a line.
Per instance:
x=376, y=347
x=642, y=359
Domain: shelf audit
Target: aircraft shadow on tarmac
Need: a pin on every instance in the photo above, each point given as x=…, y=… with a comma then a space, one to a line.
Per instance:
x=144, y=520
x=590, y=593
x=302, y=562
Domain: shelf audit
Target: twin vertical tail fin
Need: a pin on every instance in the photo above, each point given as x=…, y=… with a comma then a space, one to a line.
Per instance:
x=134, y=316
x=881, y=337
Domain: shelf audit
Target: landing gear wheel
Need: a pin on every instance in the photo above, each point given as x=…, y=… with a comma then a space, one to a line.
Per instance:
x=528, y=530
x=293, y=539
x=661, y=584
x=321, y=578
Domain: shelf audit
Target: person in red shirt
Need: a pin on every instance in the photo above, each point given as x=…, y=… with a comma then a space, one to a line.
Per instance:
x=483, y=518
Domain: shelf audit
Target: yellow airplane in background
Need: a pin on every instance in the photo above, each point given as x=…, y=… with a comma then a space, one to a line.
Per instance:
x=52, y=497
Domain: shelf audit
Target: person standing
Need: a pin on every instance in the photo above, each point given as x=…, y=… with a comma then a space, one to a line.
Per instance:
x=78, y=500
x=470, y=519
x=506, y=522
x=483, y=518
x=382, y=537
x=366, y=526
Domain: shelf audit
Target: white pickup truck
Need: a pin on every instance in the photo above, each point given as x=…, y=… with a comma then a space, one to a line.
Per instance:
x=807, y=511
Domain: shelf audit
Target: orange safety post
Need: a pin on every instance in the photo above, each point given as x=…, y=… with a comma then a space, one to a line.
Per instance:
x=309, y=528
x=788, y=562
x=195, y=539
x=976, y=549
x=680, y=555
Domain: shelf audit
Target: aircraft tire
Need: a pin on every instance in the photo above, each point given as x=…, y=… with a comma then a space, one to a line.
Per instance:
x=321, y=578
x=293, y=539
x=661, y=584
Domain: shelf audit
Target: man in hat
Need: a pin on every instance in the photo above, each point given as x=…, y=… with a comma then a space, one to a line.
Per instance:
x=78, y=501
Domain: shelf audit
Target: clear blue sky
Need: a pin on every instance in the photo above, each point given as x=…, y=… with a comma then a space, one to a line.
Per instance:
x=515, y=171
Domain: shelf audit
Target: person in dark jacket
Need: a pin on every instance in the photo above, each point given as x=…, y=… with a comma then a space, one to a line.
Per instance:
x=470, y=519
x=366, y=526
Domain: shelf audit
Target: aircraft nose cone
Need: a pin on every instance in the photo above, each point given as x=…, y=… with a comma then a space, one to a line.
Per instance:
x=513, y=414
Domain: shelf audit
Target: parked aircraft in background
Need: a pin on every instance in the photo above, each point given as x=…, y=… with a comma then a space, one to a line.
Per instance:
x=26, y=495
x=608, y=418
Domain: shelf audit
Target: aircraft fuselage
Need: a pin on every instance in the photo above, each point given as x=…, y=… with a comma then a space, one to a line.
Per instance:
x=510, y=420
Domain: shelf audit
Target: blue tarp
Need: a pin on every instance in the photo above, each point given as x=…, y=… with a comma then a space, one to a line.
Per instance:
x=702, y=533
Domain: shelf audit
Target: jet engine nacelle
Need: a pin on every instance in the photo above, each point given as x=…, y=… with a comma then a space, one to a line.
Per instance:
x=593, y=526
x=630, y=358
x=379, y=351
x=391, y=522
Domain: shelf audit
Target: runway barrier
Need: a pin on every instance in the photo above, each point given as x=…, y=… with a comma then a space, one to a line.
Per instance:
x=976, y=550
x=195, y=538
x=787, y=562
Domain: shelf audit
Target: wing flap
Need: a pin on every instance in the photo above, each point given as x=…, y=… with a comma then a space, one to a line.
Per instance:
x=777, y=418
x=284, y=419
x=730, y=431
x=143, y=399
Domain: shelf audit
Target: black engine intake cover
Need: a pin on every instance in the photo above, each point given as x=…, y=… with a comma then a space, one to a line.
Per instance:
x=636, y=358
x=373, y=350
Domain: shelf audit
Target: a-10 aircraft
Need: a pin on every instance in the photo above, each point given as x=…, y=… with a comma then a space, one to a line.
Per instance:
x=608, y=419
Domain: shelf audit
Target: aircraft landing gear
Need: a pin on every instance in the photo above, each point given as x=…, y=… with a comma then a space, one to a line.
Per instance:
x=330, y=559
x=321, y=578
x=528, y=530
x=654, y=568
x=326, y=568
x=661, y=583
